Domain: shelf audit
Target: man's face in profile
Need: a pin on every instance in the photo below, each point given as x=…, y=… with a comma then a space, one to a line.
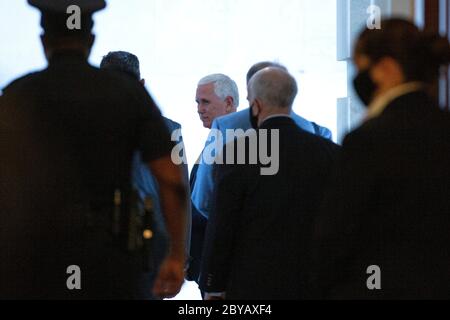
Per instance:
x=209, y=105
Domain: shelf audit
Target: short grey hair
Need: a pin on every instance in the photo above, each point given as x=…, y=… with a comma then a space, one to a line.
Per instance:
x=275, y=87
x=224, y=86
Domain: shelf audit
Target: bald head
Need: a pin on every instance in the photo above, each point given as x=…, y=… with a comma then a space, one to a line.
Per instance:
x=274, y=88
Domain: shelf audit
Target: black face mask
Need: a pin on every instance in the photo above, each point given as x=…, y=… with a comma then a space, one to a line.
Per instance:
x=364, y=86
x=253, y=119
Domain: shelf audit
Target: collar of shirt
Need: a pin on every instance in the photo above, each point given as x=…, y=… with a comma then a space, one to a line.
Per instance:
x=275, y=116
x=379, y=104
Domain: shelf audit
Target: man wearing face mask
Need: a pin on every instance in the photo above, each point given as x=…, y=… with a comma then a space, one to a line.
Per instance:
x=259, y=234
x=245, y=120
x=384, y=229
x=68, y=135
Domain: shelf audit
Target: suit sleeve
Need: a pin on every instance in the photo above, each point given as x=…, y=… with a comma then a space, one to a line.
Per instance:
x=220, y=240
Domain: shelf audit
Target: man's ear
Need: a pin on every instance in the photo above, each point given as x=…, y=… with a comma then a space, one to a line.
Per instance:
x=256, y=108
x=230, y=104
x=142, y=82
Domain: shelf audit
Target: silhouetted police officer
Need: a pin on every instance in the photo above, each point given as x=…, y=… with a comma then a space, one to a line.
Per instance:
x=68, y=134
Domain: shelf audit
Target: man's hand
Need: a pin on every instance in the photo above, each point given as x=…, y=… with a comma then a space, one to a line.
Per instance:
x=174, y=202
x=170, y=278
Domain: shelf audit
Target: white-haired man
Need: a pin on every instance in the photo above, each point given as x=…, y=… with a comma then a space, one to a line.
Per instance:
x=258, y=240
x=217, y=96
x=202, y=195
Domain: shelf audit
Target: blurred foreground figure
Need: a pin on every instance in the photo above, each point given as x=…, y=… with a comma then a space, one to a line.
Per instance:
x=68, y=134
x=384, y=229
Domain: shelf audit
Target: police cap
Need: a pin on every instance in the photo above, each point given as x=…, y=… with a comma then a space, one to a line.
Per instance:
x=55, y=15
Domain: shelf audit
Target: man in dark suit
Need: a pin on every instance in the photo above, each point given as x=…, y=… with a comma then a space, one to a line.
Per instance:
x=259, y=235
x=202, y=177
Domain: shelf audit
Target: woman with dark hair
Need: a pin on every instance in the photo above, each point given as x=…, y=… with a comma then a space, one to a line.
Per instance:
x=384, y=231
x=396, y=55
